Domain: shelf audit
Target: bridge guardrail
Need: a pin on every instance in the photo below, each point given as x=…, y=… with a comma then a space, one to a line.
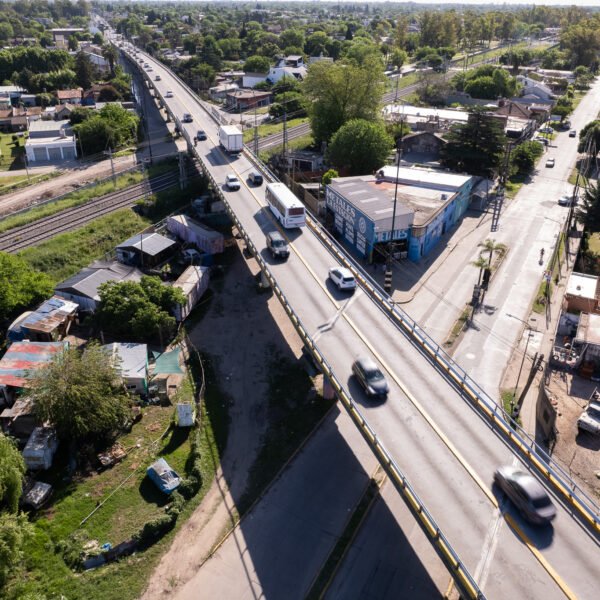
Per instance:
x=536, y=456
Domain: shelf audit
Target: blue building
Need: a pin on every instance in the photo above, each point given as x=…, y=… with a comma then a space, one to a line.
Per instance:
x=428, y=203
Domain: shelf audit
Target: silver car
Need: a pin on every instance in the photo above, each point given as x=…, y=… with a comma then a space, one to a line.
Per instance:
x=526, y=493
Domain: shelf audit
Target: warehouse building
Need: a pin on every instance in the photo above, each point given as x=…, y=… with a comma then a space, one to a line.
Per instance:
x=428, y=204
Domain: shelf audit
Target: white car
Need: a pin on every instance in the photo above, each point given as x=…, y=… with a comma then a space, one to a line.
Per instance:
x=342, y=278
x=590, y=419
x=232, y=182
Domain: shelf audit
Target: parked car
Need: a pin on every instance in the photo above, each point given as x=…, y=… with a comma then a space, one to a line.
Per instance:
x=277, y=245
x=565, y=200
x=169, y=94
x=163, y=476
x=550, y=162
x=342, y=278
x=573, y=133
x=590, y=419
x=187, y=118
x=526, y=493
x=232, y=182
x=255, y=178
x=542, y=140
x=370, y=377
x=192, y=256
x=201, y=135
x=547, y=130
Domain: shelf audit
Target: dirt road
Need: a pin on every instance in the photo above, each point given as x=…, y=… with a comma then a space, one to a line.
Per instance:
x=239, y=330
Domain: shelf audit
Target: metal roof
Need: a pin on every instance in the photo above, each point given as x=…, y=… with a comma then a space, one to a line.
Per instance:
x=88, y=280
x=133, y=358
x=48, y=316
x=148, y=243
x=22, y=358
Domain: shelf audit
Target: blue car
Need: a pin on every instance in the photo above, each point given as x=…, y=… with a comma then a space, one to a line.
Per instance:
x=163, y=476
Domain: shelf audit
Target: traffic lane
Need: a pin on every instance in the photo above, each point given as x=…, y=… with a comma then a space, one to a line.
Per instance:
x=282, y=543
x=390, y=557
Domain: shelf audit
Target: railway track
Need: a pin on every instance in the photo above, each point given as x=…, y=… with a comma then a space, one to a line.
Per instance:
x=39, y=231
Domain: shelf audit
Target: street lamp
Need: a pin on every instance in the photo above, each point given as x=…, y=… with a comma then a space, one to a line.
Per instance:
x=529, y=330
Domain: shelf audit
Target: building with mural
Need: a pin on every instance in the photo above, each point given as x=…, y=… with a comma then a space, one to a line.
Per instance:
x=412, y=207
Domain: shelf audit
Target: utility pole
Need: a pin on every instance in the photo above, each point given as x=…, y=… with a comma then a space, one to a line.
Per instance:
x=182, y=171
x=112, y=166
x=255, y=126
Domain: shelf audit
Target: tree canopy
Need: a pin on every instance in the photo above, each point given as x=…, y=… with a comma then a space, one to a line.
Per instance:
x=588, y=211
x=487, y=81
x=21, y=287
x=589, y=138
x=339, y=92
x=14, y=529
x=138, y=311
x=12, y=469
x=360, y=147
x=257, y=64
x=523, y=157
x=81, y=394
x=477, y=146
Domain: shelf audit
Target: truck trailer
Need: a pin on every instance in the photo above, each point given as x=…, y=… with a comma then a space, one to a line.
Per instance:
x=230, y=138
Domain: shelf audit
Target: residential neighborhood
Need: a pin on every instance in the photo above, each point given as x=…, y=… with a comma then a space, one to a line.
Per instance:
x=299, y=300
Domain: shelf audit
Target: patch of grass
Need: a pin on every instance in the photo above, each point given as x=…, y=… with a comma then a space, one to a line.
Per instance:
x=11, y=153
x=539, y=304
x=594, y=243
x=293, y=414
x=458, y=326
x=45, y=571
x=509, y=401
x=514, y=184
x=300, y=143
x=271, y=128
x=67, y=253
x=17, y=182
x=402, y=82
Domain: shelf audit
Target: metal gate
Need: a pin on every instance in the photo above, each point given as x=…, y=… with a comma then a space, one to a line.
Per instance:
x=39, y=154
x=54, y=154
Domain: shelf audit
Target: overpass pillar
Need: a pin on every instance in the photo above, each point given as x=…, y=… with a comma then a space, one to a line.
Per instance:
x=328, y=390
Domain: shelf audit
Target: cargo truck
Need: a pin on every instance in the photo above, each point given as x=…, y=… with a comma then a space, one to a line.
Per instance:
x=230, y=138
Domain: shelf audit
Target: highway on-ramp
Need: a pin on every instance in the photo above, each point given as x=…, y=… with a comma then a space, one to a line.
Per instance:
x=446, y=449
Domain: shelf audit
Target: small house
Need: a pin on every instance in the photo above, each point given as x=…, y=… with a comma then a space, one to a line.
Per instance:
x=132, y=362
x=20, y=361
x=582, y=293
x=40, y=448
x=83, y=287
x=145, y=250
x=69, y=96
x=50, y=141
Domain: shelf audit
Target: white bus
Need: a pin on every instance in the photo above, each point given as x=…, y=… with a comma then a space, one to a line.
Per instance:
x=285, y=206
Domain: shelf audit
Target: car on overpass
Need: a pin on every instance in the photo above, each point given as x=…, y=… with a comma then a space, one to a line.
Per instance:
x=169, y=94
x=370, y=377
x=342, y=278
x=187, y=118
x=201, y=135
x=526, y=493
x=232, y=182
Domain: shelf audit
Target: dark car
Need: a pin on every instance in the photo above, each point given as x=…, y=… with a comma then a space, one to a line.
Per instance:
x=573, y=133
x=277, y=245
x=526, y=493
x=370, y=377
x=201, y=135
x=255, y=178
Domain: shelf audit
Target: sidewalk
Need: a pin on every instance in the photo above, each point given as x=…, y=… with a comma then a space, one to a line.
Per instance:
x=541, y=341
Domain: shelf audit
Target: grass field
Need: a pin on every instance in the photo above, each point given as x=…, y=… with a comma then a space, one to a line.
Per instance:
x=10, y=153
x=271, y=128
x=299, y=143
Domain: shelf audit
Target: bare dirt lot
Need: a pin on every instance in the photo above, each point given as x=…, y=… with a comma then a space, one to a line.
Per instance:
x=579, y=452
x=240, y=328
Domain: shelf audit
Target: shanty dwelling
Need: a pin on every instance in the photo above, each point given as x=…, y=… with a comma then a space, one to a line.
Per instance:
x=83, y=287
x=145, y=250
x=50, y=322
x=205, y=239
x=18, y=421
x=193, y=282
x=132, y=361
x=19, y=362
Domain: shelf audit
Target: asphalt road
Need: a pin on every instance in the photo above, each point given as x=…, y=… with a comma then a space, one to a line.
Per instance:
x=445, y=448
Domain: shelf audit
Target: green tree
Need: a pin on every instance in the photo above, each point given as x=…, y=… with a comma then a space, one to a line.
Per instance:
x=360, y=147
x=398, y=57
x=328, y=176
x=12, y=469
x=339, y=92
x=291, y=37
x=14, y=530
x=477, y=146
x=257, y=64
x=84, y=70
x=73, y=43
x=111, y=54
x=21, y=287
x=80, y=114
x=139, y=311
x=589, y=138
x=523, y=157
x=81, y=394
x=316, y=43
x=588, y=211
x=581, y=41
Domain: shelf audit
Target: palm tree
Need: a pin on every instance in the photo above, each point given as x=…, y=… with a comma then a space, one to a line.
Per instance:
x=110, y=53
x=481, y=263
x=491, y=247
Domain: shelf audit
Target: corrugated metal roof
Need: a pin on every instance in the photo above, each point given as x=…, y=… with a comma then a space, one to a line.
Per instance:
x=49, y=315
x=24, y=357
x=148, y=243
x=88, y=280
x=133, y=358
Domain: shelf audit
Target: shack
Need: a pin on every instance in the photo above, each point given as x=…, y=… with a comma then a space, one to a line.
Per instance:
x=145, y=250
x=193, y=282
x=50, y=322
x=190, y=231
x=132, y=362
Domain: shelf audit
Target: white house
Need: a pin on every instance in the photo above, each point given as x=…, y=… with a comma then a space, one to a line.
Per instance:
x=292, y=66
x=532, y=87
x=131, y=360
x=251, y=79
x=50, y=141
